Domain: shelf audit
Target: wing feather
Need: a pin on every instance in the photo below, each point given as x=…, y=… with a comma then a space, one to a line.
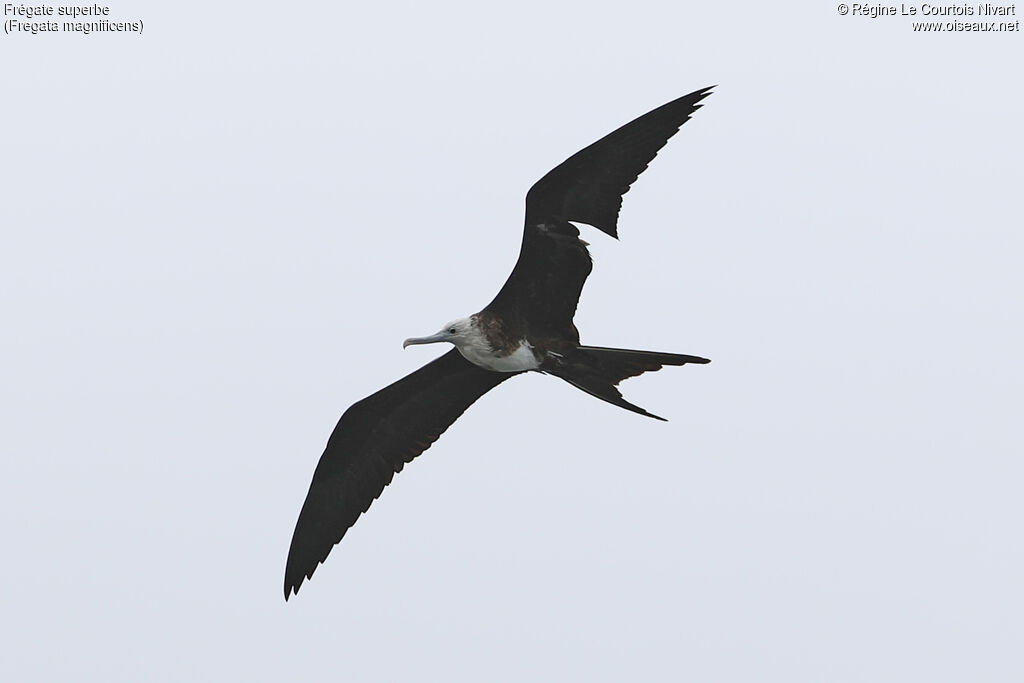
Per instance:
x=586, y=188
x=372, y=441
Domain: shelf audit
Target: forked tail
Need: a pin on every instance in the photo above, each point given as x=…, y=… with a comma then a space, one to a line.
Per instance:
x=597, y=370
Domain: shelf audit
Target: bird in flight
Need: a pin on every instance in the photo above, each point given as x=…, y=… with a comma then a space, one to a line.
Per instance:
x=527, y=327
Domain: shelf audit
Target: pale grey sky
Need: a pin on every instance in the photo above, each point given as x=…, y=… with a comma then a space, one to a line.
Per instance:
x=216, y=235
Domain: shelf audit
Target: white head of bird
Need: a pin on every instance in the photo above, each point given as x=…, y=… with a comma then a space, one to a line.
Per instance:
x=460, y=332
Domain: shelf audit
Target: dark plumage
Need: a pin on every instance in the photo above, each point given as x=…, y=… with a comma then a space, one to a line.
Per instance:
x=528, y=326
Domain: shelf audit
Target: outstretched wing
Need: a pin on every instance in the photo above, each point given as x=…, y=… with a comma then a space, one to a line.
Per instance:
x=588, y=186
x=585, y=188
x=373, y=440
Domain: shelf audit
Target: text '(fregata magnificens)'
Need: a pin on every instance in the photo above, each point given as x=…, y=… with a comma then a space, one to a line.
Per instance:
x=527, y=327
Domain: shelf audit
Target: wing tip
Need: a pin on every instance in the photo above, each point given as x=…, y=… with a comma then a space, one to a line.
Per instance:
x=291, y=586
x=295, y=577
x=695, y=100
x=702, y=93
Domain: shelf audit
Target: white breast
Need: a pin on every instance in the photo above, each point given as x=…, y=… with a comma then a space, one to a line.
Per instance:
x=478, y=352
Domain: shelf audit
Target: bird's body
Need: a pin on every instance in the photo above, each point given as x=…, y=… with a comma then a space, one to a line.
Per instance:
x=527, y=327
x=480, y=352
x=483, y=341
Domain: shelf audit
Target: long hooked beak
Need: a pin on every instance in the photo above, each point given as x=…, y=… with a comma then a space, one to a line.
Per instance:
x=439, y=337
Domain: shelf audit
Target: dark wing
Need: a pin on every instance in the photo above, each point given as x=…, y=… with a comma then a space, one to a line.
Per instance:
x=373, y=440
x=585, y=188
x=588, y=186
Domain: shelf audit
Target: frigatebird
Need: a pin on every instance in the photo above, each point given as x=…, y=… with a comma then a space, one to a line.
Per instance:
x=527, y=327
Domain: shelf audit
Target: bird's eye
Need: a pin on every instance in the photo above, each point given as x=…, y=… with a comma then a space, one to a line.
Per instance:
x=451, y=330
